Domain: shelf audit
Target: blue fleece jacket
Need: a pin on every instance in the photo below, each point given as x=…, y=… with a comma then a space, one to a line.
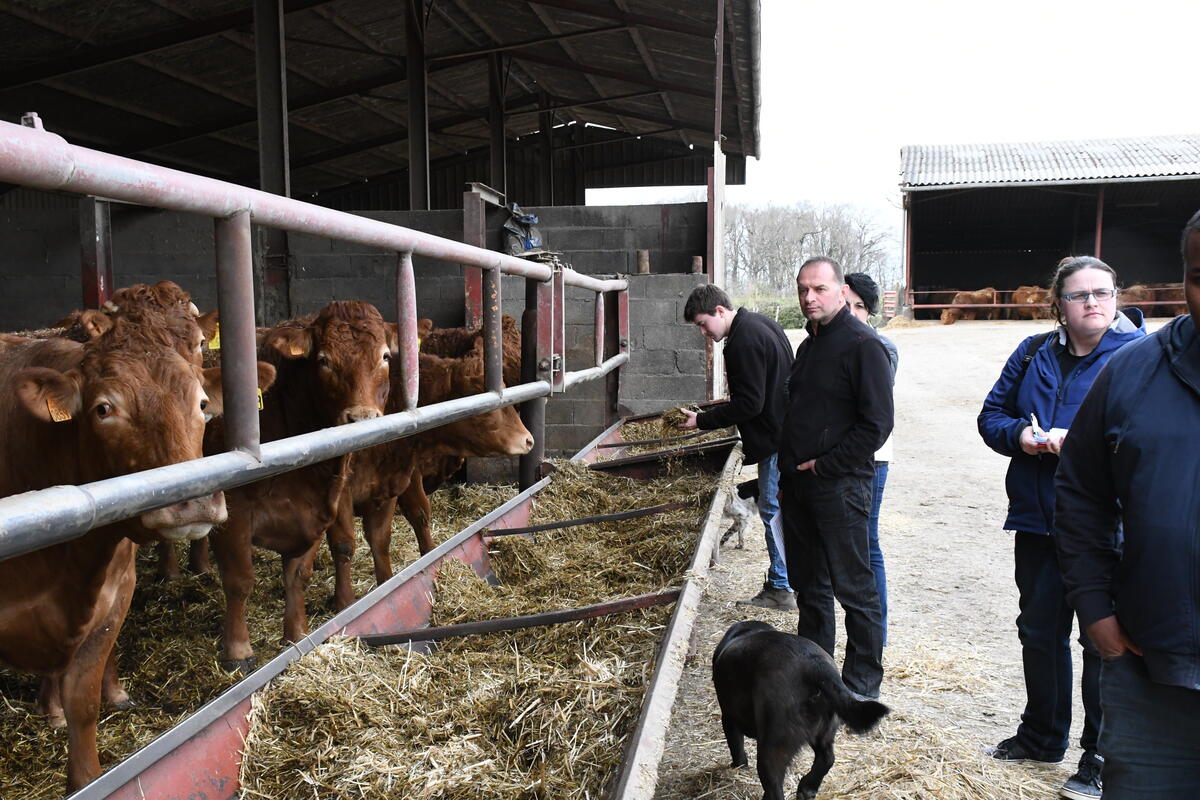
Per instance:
x=1131, y=466
x=1054, y=398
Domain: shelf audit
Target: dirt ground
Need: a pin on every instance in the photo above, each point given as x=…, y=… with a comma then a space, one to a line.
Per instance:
x=952, y=664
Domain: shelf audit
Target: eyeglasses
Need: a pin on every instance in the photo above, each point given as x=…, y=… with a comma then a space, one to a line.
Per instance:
x=1081, y=297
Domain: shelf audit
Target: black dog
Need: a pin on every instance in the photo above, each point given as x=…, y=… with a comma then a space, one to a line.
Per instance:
x=785, y=692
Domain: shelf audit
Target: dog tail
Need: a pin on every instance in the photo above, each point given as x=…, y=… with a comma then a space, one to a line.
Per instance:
x=861, y=716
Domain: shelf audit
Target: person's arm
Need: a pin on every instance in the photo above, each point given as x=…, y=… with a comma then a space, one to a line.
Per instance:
x=873, y=379
x=1000, y=430
x=745, y=367
x=1087, y=522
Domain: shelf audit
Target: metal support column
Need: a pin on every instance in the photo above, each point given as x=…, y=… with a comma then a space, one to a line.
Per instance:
x=239, y=359
x=616, y=323
x=418, y=110
x=474, y=233
x=406, y=321
x=496, y=175
x=535, y=365
x=273, y=165
x=95, y=253
x=546, y=170
x=1099, y=221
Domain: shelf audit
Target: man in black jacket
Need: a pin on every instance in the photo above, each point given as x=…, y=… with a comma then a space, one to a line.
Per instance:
x=839, y=413
x=1127, y=525
x=758, y=358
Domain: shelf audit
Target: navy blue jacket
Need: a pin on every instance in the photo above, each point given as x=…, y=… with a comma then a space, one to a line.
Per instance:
x=1054, y=398
x=1133, y=461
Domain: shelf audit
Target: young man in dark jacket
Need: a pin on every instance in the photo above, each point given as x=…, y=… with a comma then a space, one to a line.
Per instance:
x=1128, y=537
x=839, y=413
x=758, y=358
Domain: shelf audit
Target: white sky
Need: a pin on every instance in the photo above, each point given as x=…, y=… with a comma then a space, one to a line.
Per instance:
x=846, y=84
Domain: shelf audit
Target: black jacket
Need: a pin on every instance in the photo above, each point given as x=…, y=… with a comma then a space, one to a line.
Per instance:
x=1132, y=458
x=839, y=400
x=758, y=358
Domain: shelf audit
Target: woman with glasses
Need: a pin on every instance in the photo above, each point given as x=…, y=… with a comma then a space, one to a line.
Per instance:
x=1026, y=417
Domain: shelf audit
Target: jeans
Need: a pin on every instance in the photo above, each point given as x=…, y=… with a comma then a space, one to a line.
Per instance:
x=1044, y=628
x=828, y=556
x=1150, y=738
x=881, y=473
x=768, y=507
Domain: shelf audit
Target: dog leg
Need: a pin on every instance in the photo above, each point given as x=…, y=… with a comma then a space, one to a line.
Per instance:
x=736, y=741
x=773, y=760
x=822, y=763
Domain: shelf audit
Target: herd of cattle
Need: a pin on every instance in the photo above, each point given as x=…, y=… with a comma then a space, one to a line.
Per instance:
x=1032, y=302
x=126, y=388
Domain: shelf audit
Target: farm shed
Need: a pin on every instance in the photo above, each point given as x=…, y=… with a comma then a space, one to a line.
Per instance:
x=1002, y=215
x=391, y=110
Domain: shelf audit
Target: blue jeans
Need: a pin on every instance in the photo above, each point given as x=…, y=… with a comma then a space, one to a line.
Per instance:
x=1044, y=628
x=768, y=507
x=1150, y=738
x=881, y=473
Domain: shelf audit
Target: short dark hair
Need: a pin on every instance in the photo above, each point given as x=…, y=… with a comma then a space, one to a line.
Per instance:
x=1193, y=226
x=837, y=268
x=1068, y=267
x=865, y=287
x=704, y=300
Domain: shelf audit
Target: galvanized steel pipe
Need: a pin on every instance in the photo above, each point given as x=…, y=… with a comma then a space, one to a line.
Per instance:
x=239, y=363
x=584, y=375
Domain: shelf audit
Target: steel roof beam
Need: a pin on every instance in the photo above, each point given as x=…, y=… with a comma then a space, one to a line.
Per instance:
x=639, y=20
x=469, y=55
x=563, y=63
x=131, y=48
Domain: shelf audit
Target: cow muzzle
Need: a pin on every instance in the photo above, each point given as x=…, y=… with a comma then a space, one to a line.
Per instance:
x=521, y=444
x=358, y=414
x=191, y=519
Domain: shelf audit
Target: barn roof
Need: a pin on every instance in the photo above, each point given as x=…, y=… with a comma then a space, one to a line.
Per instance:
x=173, y=82
x=1063, y=162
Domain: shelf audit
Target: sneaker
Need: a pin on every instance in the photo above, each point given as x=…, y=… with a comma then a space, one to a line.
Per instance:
x=1011, y=750
x=770, y=597
x=1087, y=783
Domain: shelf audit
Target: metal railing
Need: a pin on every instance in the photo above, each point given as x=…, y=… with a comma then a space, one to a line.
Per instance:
x=34, y=158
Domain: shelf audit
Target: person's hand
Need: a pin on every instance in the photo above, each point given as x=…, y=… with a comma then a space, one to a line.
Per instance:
x=1056, y=437
x=807, y=465
x=1110, y=638
x=689, y=423
x=1029, y=445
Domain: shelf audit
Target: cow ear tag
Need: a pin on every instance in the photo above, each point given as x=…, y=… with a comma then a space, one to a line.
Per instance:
x=57, y=412
x=260, y=400
x=215, y=342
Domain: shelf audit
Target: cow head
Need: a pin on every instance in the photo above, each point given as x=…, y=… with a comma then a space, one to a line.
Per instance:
x=165, y=304
x=346, y=352
x=494, y=433
x=133, y=403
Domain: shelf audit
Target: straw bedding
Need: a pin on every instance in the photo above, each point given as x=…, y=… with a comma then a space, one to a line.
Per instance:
x=538, y=713
x=665, y=426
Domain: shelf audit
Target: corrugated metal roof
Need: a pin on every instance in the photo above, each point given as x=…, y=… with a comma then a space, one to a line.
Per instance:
x=1081, y=161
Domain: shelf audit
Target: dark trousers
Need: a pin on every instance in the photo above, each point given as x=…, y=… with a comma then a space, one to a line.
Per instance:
x=1044, y=628
x=827, y=551
x=877, y=567
x=1151, y=735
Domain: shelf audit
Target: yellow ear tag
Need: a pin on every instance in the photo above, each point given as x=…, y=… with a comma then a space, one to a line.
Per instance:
x=260, y=400
x=215, y=342
x=418, y=342
x=57, y=412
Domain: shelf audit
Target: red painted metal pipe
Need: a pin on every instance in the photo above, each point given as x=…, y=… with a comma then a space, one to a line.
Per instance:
x=406, y=317
x=239, y=360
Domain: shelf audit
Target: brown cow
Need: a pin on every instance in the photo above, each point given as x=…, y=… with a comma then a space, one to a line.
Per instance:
x=332, y=368
x=1172, y=297
x=1032, y=296
x=1136, y=295
x=384, y=472
x=75, y=413
x=977, y=297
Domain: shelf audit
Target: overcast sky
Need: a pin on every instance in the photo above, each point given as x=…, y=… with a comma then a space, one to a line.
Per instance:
x=846, y=84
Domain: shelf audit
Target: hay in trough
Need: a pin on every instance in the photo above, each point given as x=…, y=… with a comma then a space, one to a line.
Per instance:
x=535, y=713
x=666, y=427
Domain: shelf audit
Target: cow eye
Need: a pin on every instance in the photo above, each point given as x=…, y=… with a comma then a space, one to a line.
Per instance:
x=387, y=356
x=103, y=410
x=323, y=360
x=204, y=404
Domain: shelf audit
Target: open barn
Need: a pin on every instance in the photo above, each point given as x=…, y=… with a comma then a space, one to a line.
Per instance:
x=1002, y=215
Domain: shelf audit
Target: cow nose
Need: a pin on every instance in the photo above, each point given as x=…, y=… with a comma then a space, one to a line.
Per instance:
x=528, y=442
x=358, y=414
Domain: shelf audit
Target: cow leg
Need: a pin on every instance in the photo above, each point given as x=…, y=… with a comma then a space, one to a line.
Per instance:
x=112, y=693
x=168, y=561
x=810, y=784
x=414, y=504
x=377, y=530
x=340, y=538
x=198, y=561
x=50, y=701
x=297, y=569
x=231, y=547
